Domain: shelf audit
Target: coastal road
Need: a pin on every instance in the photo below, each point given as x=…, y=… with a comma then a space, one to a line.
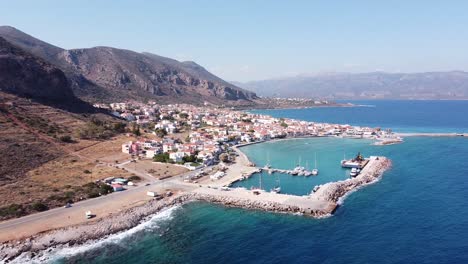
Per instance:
x=101, y=206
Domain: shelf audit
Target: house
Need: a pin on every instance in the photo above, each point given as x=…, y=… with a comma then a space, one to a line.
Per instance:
x=176, y=156
x=131, y=147
x=153, y=151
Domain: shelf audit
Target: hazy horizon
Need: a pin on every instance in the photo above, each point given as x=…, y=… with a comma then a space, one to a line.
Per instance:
x=244, y=40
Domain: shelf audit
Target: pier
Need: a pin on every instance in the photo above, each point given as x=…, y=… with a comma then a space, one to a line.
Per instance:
x=322, y=202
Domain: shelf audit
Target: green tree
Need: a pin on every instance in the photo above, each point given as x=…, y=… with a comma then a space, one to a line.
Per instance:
x=224, y=157
x=160, y=132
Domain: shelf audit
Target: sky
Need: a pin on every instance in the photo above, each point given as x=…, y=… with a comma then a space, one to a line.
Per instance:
x=253, y=40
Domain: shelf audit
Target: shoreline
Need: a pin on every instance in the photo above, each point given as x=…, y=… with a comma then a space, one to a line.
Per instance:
x=317, y=205
x=337, y=105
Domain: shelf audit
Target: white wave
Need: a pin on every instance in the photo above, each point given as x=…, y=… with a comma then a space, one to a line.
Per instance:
x=343, y=198
x=56, y=253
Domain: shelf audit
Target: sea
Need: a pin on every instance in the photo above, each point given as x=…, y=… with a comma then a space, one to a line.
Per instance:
x=416, y=213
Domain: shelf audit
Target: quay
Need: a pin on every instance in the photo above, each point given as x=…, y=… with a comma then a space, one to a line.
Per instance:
x=322, y=202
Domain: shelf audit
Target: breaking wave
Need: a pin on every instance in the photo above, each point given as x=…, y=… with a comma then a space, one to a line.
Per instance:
x=56, y=254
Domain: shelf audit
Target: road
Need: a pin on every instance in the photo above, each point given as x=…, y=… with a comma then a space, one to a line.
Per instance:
x=101, y=206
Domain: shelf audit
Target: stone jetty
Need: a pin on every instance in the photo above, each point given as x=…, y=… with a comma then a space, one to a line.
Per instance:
x=266, y=201
x=322, y=202
x=334, y=191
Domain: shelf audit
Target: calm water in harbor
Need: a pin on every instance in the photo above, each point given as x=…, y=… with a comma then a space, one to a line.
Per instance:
x=417, y=213
x=329, y=151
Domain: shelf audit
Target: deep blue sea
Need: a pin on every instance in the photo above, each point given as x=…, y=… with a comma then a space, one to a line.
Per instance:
x=417, y=212
x=401, y=116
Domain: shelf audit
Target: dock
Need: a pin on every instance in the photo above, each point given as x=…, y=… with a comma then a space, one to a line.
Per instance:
x=322, y=202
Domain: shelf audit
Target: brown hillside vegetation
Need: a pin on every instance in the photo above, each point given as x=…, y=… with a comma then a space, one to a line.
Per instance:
x=41, y=161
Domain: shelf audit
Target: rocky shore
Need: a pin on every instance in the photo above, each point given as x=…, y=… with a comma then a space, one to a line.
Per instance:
x=324, y=201
x=334, y=191
x=75, y=235
x=268, y=206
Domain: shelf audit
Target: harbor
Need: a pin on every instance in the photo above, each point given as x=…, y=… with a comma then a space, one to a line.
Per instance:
x=321, y=202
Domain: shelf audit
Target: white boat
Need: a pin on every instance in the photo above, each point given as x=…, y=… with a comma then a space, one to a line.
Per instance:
x=315, y=171
x=353, y=172
x=268, y=165
x=277, y=188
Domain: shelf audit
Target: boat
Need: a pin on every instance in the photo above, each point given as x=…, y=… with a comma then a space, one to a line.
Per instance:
x=277, y=188
x=316, y=188
x=315, y=171
x=358, y=162
x=354, y=172
x=267, y=165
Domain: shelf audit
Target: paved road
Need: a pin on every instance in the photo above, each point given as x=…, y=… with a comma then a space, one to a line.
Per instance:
x=102, y=206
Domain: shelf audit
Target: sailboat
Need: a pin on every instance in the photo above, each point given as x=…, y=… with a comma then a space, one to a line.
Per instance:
x=256, y=190
x=277, y=188
x=307, y=172
x=267, y=165
x=315, y=171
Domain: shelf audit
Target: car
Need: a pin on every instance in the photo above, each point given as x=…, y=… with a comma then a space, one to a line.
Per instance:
x=147, y=184
x=68, y=205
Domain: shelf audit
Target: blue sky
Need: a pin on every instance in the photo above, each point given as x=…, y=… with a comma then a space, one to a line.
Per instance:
x=250, y=40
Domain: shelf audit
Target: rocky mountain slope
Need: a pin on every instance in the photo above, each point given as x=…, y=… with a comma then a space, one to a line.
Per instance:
x=29, y=76
x=110, y=74
x=374, y=85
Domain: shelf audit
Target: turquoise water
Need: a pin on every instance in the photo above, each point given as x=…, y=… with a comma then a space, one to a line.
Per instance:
x=329, y=151
x=417, y=213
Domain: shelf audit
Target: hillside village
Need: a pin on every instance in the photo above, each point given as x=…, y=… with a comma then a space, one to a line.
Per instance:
x=210, y=131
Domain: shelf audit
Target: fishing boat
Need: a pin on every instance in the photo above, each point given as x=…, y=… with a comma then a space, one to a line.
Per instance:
x=358, y=162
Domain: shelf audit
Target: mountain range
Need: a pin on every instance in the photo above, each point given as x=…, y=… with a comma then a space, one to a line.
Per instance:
x=373, y=85
x=107, y=74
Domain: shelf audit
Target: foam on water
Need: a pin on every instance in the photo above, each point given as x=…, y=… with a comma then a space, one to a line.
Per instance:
x=56, y=253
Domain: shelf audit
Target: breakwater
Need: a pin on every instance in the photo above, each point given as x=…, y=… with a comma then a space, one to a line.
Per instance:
x=321, y=203
x=334, y=191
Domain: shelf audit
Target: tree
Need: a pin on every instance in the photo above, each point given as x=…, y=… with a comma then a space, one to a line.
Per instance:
x=160, y=132
x=190, y=158
x=119, y=127
x=283, y=124
x=224, y=157
x=163, y=157
x=66, y=139
x=136, y=130
x=38, y=206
